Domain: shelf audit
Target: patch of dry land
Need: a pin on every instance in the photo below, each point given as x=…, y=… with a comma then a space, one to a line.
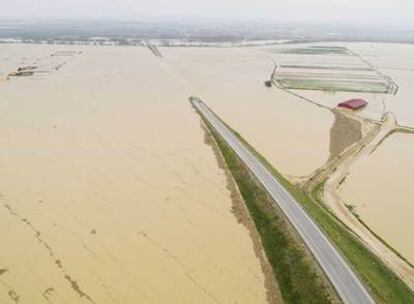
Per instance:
x=109, y=193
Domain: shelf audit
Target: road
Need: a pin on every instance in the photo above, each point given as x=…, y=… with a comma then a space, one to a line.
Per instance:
x=346, y=283
x=153, y=48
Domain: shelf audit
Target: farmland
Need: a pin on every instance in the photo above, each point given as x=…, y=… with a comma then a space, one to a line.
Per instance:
x=328, y=68
x=334, y=85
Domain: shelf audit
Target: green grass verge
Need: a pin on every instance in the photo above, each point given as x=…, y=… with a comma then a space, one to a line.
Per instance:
x=352, y=209
x=383, y=283
x=297, y=277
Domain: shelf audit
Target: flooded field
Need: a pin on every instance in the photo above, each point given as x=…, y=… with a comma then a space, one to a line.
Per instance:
x=292, y=134
x=109, y=193
x=106, y=178
x=380, y=187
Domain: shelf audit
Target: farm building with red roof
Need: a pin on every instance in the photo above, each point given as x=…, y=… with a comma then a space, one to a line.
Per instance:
x=353, y=104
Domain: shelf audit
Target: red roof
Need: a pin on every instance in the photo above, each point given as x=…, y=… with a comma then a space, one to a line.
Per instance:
x=353, y=104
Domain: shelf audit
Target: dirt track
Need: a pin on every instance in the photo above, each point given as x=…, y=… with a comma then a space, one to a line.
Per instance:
x=337, y=171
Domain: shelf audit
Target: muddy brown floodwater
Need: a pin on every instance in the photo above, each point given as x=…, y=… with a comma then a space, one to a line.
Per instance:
x=380, y=186
x=108, y=192
x=293, y=135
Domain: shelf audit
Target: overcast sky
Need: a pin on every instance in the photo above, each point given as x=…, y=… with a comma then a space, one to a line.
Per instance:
x=395, y=12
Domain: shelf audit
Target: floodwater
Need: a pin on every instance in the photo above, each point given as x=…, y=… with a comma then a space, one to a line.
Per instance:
x=292, y=134
x=108, y=192
x=381, y=187
x=396, y=61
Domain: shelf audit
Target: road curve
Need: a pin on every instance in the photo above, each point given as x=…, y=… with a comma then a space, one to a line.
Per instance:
x=346, y=283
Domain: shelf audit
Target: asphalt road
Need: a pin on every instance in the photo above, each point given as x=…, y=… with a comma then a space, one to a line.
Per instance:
x=346, y=283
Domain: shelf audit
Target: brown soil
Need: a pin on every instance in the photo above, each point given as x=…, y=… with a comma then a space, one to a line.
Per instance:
x=344, y=133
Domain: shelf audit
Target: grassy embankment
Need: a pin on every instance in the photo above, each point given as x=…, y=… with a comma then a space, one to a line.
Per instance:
x=351, y=209
x=383, y=283
x=295, y=271
x=297, y=281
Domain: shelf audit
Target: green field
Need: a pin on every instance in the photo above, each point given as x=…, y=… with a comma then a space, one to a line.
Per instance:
x=315, y=50
x=331, y=85
x=326, y=67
